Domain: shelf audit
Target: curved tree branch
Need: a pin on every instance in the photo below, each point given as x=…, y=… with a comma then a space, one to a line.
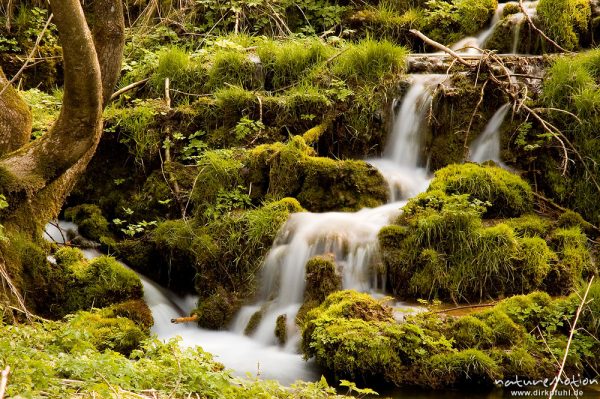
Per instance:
x=37, y=177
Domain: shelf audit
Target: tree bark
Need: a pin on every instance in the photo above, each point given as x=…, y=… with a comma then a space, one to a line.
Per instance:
x=37, y=177
x=15, y=119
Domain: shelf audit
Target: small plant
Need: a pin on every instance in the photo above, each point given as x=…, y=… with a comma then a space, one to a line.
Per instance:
x=247, y=127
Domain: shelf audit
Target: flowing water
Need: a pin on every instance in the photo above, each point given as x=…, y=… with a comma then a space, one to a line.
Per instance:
x=351, y=238
x=470, y=45
x=486, y=147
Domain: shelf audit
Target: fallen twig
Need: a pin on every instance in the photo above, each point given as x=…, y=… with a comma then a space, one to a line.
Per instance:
x=125, y=89
x=573, y=328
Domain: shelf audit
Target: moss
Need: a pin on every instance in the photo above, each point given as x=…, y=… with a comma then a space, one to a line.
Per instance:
x=530, y=226
x=322, y=278
x=281, y=329
x=320, y=184
x=68, y=256
x=107, y=281
x=217, y=310
x=253, y=323
x=510, y=9
x=573, y=219
x=136, y=310
x=470, y=367
x=508, y=194
x=470, y=332
x=442, y=248
x=565, y=21
x=351, y=335
x=505, y=331
x=448, y=22
x=104, y=331
x=90, y=221
x=574, y=261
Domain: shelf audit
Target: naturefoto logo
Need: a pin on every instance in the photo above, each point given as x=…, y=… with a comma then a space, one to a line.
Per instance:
x=574, y=382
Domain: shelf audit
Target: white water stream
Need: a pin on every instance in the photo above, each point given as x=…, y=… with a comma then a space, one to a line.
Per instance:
x=350, y=237
x=486, y=147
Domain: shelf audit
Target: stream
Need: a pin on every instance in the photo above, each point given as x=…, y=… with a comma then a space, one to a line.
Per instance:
x=350, y=237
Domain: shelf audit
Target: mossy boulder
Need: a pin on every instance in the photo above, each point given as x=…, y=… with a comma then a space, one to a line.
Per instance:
x=106, y=331
x=322, y=278
x=281, y=329
x=320, y=184
x=90, y=221
x=508, y=194
x=217, y=310
x=444, y=246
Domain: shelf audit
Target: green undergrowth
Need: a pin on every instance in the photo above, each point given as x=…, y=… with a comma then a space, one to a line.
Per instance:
x=472, y=237
x=352, y=335
x=219, y=259
x=565, y=21
x=242, y=90
x=571, y=84
x=92, y=354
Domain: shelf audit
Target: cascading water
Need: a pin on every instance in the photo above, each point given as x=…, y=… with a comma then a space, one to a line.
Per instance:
x=350, y=237
x=486, y=147
x=470, y=45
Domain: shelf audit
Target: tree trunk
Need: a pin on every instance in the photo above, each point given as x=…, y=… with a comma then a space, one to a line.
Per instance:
x=15, y=119
x=37, y=177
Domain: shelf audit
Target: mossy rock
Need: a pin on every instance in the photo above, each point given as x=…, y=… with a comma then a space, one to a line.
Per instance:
x=508, y=194
x=217, y=310
x=105, y=331
x=281, y=329
x=471, y=332
x=136, y=310
x=320, y=184
x=90, y=221
x=322, y=278
x=253, y=323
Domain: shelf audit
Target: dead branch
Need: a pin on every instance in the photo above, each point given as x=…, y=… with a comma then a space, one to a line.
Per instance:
x=573, y=328
x=439, y=46
x=189, y=319
x=125, y=89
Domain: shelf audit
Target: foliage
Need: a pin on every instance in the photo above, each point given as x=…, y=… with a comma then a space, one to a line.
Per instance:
x=369, y=61
x=565, y=21
x=508, y=194
x=449, y=21
x=75, y=358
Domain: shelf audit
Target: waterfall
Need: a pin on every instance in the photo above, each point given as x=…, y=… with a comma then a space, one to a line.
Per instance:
x=486, y=147
x=469, y=45
x=350, y=237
